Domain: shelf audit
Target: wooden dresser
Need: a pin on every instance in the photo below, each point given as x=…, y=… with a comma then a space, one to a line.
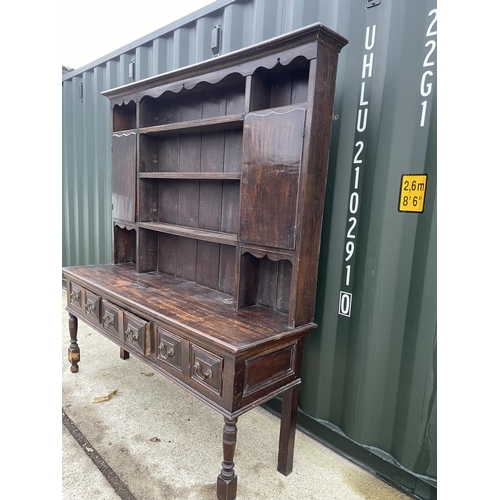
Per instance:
x=219, y=174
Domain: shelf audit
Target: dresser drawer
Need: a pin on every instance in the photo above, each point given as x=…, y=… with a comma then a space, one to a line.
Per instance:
x=92, y=307
x=205, y=368
x=169, y=348
x=111, y=319
x=137, y=333
x=75, y=297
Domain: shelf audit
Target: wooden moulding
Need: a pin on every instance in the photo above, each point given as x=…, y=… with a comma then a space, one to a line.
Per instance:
x=246, y=61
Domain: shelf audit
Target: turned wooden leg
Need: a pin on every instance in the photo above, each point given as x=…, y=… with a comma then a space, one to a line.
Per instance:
x=73, y=349
x=287, y=430
x=124, y=354
x=227, y=479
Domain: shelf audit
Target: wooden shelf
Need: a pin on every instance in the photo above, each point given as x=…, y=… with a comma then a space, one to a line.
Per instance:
x=226, y=122
x=191, y=232
x=205, y=176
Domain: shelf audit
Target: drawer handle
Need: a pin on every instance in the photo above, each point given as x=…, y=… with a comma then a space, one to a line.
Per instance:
x=164, y=353
x=74, y=297
x=133, y=335
x=109, y=320
x=198, y=373
x=89, y=308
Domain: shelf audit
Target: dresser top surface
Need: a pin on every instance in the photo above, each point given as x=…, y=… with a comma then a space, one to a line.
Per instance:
x=187, y=306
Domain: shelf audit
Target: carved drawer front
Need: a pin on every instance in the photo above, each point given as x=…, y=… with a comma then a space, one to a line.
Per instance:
x=137, y=333
x=75, y=296
x=206, y=368
x=92, y=307
x=111, y=319
x=169, y=348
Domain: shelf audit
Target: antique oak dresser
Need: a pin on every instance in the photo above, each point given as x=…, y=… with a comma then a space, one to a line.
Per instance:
x=218, y=185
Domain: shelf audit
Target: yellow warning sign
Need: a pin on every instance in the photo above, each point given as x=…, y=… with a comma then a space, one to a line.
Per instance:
x=412, y=193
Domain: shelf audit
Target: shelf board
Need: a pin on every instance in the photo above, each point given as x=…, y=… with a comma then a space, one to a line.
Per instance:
x=191, y=175
x=225, y=122
x=191, y=232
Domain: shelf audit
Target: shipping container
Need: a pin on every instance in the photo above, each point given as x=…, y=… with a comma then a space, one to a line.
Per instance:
x=369, y=387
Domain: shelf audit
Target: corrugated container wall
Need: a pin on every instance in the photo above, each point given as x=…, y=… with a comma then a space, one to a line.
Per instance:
x=369, y=374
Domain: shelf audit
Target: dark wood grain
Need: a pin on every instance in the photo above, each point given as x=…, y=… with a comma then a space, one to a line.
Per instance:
x=233, y=151
x=227, y=480
x=210, y=205
x=73, y=349
x=124, y=117
x=267, y=283
x=235, y=99
x=214, y=103
x=123, y=176
x=312, y=190
x=125, y=243
x=168, y=153
x=248, y=282
x=272, y=153
x=287, y=430
x=147, y=243
x=187, y=250
x=172, y=300
x=124, y=354
x=212, y=151
x=147, y=206
x=227, y=269
x=284, y=286
x=230, y=215
x=191, y=107
x=207, y=268
x=168, y=201
x=219, y=174
x=148, y=153
x=167, y=256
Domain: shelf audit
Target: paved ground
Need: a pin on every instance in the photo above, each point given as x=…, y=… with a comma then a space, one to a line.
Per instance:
x=153, y=441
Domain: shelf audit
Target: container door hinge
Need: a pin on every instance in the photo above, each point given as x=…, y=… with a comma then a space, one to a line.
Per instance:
x=215, y=43
x=372, y=3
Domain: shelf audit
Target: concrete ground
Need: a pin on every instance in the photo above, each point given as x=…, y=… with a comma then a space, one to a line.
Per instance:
x=153, y=441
